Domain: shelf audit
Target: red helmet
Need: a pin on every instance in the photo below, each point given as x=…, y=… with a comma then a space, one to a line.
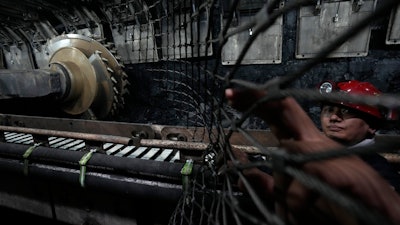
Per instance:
x=354, y=87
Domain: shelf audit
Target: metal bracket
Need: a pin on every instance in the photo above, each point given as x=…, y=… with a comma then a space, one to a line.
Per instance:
x=26, y=155
x=85, y=158
x=186, y=172
x=356, y=6
x=317, y=9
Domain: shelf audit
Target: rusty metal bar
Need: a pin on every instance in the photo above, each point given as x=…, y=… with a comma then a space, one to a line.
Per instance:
x=74, y=135
x=192, y=145
x=184, y=145
x=181, y=145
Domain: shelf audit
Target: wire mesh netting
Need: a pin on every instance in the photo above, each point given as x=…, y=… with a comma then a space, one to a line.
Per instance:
x=191, y=41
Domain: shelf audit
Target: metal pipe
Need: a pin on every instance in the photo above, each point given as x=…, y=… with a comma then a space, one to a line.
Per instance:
x=155, y=143
x=117, y=183
x=98, y=161
x=67, y=134
x=138, y=177
x=196, y=146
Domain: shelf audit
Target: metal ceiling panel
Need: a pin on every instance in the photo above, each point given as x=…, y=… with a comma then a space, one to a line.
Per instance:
x=393, y=32
x=320, y=24
x=266, y=48
x=1, y=59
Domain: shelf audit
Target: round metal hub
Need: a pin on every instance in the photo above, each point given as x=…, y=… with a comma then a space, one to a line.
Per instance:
x=110, y=79
x=81, y=79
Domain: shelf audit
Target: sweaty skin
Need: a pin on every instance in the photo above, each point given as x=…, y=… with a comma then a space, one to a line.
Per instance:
x=298, y=134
